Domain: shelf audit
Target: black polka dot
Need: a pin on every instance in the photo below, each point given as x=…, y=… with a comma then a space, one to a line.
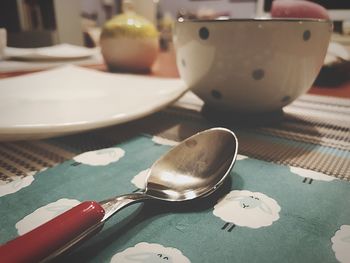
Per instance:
x=285, y=99
x=216, y=94
x=183, y=62
x=258, y=74
x=306, y=35
x=204, y=33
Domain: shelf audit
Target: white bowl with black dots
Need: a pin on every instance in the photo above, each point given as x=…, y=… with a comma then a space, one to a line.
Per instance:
x=250, y=65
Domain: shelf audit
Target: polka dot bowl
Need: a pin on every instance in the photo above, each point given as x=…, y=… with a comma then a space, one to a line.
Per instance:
x=250, y=65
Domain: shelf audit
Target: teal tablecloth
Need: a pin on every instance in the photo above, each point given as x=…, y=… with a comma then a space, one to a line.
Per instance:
x=263, y=213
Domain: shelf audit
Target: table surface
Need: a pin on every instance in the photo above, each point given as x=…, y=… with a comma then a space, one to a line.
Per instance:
x=165, y=66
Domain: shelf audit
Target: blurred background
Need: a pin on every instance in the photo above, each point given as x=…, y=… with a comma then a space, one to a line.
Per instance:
x=36, y=23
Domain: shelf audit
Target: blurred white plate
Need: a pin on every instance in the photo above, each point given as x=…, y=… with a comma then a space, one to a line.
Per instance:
x=71, y=99
x=56, y=52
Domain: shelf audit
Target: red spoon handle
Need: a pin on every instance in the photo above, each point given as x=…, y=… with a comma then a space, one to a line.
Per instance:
x=52, y=236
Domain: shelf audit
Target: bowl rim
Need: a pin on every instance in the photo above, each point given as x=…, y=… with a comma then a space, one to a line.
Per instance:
x=258, y=19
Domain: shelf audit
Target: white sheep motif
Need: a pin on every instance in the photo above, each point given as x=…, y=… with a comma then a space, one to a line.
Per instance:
x=309, y=175
x=163, y=141
x=149, y=253
x=241, y=157
x=100, y=157
x=248, y=209
x=341, y=244
x=17, y=184
x=44, y=214
x=139, y=180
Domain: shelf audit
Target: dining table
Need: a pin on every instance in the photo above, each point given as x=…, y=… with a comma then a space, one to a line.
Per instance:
x=287, y=198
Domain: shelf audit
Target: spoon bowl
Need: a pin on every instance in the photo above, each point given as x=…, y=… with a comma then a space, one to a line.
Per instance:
x=194, y=168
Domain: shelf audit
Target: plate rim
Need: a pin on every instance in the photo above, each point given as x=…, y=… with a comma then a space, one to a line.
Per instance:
x=40, y=131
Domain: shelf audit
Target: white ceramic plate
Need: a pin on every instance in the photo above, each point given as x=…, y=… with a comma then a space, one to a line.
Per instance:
x=71, y=99
x=56, y=52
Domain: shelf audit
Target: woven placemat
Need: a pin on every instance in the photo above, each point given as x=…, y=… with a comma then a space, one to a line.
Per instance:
x=312, y=133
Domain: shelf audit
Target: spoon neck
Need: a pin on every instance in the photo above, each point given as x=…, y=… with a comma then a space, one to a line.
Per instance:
x=113, y=205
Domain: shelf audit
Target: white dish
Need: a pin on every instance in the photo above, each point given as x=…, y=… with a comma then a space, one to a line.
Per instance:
x=71, y=99
x=56, y=52
x=250, y=66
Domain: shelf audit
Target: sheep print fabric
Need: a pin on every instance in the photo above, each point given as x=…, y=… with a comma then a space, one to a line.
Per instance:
x=263, y=212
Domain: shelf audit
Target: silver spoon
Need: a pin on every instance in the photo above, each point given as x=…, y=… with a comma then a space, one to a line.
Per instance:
x=194, y=168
